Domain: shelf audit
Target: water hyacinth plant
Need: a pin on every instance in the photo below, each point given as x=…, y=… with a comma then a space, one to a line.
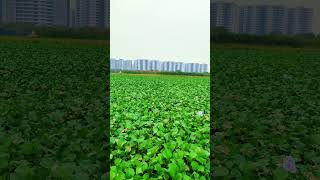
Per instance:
x=266, y=104
x=156, y=128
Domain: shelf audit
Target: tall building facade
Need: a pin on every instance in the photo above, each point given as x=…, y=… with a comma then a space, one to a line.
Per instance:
x=107, y=14
x=154, y=65
x=38, y=12
x=91, y=13
x=62, y=13
x=71, y=13
x=279, y=16
x=225, y=15
x=262, y=19
x=127, y=65
x=300, y=20
x=1, y=11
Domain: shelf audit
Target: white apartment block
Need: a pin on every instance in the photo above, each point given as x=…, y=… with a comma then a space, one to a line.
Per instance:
x=127, y=65
x=179, y=66
x=153, y=65
x=203, y=68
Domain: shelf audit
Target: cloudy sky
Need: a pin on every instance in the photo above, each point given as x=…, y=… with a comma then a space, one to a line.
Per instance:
x=176, y=30
x=291, y=3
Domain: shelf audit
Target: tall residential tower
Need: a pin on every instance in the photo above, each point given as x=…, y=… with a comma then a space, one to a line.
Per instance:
x=225, y=15
x=38, y=12
x=91, y=13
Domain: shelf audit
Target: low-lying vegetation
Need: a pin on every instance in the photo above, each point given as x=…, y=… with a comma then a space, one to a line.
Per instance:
x=266, y=108
x=159, y=127
x=52, y=109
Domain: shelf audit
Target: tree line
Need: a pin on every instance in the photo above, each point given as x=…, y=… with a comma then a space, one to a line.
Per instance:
x=26, y=29
x=180, y=73
x=220, y=35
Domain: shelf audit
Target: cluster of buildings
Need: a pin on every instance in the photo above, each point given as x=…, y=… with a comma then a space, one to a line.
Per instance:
x=155, y=65
x=67, y=13
x=249, y=19
x=262, y=19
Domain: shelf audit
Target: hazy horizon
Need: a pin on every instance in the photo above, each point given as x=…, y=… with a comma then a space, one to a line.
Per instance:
x=166, y=30
x=315, y=4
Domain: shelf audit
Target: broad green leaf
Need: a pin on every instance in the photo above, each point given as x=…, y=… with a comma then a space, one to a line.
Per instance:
x=173, y=170
x=129, y=172
x=167, y=153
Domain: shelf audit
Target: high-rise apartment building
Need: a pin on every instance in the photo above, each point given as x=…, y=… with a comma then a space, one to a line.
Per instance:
x=107, y=14
x=141, y=64
x=153, y=65
x=72, y=17
x=38, y=12
x=187, y=67
x=62, y=13
x=164, y=66
x=72, y=13
x=261, y=19
x=26, y=11
x=116, y=64
x=91, y=13
x=127, y=65
x=300, y=20
x=1, y=11
x=113, y=63
x=172, y=66
x=279, y=20
x=203, y=68
x=247, y=17
x=179, y=66
x=225, y=15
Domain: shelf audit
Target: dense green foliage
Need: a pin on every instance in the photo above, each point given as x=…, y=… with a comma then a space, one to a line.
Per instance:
x=25, y=29
x=52, y=109
x=266, y=106
x=83, y=33
x=157, y=129
x=219, y=35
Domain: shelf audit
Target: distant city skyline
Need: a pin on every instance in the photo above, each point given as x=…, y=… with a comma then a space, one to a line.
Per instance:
x=157, y=65
x=68, y=13
x=262, y=19
x=160, y=29
x=315, y=4
x=46, y=12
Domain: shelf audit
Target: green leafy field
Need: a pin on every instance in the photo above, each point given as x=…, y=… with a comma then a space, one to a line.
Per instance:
x=266, y=106
x=52, y=105
x=157, y=129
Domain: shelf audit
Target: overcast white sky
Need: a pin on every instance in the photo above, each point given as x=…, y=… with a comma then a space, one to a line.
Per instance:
x=176, y=30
